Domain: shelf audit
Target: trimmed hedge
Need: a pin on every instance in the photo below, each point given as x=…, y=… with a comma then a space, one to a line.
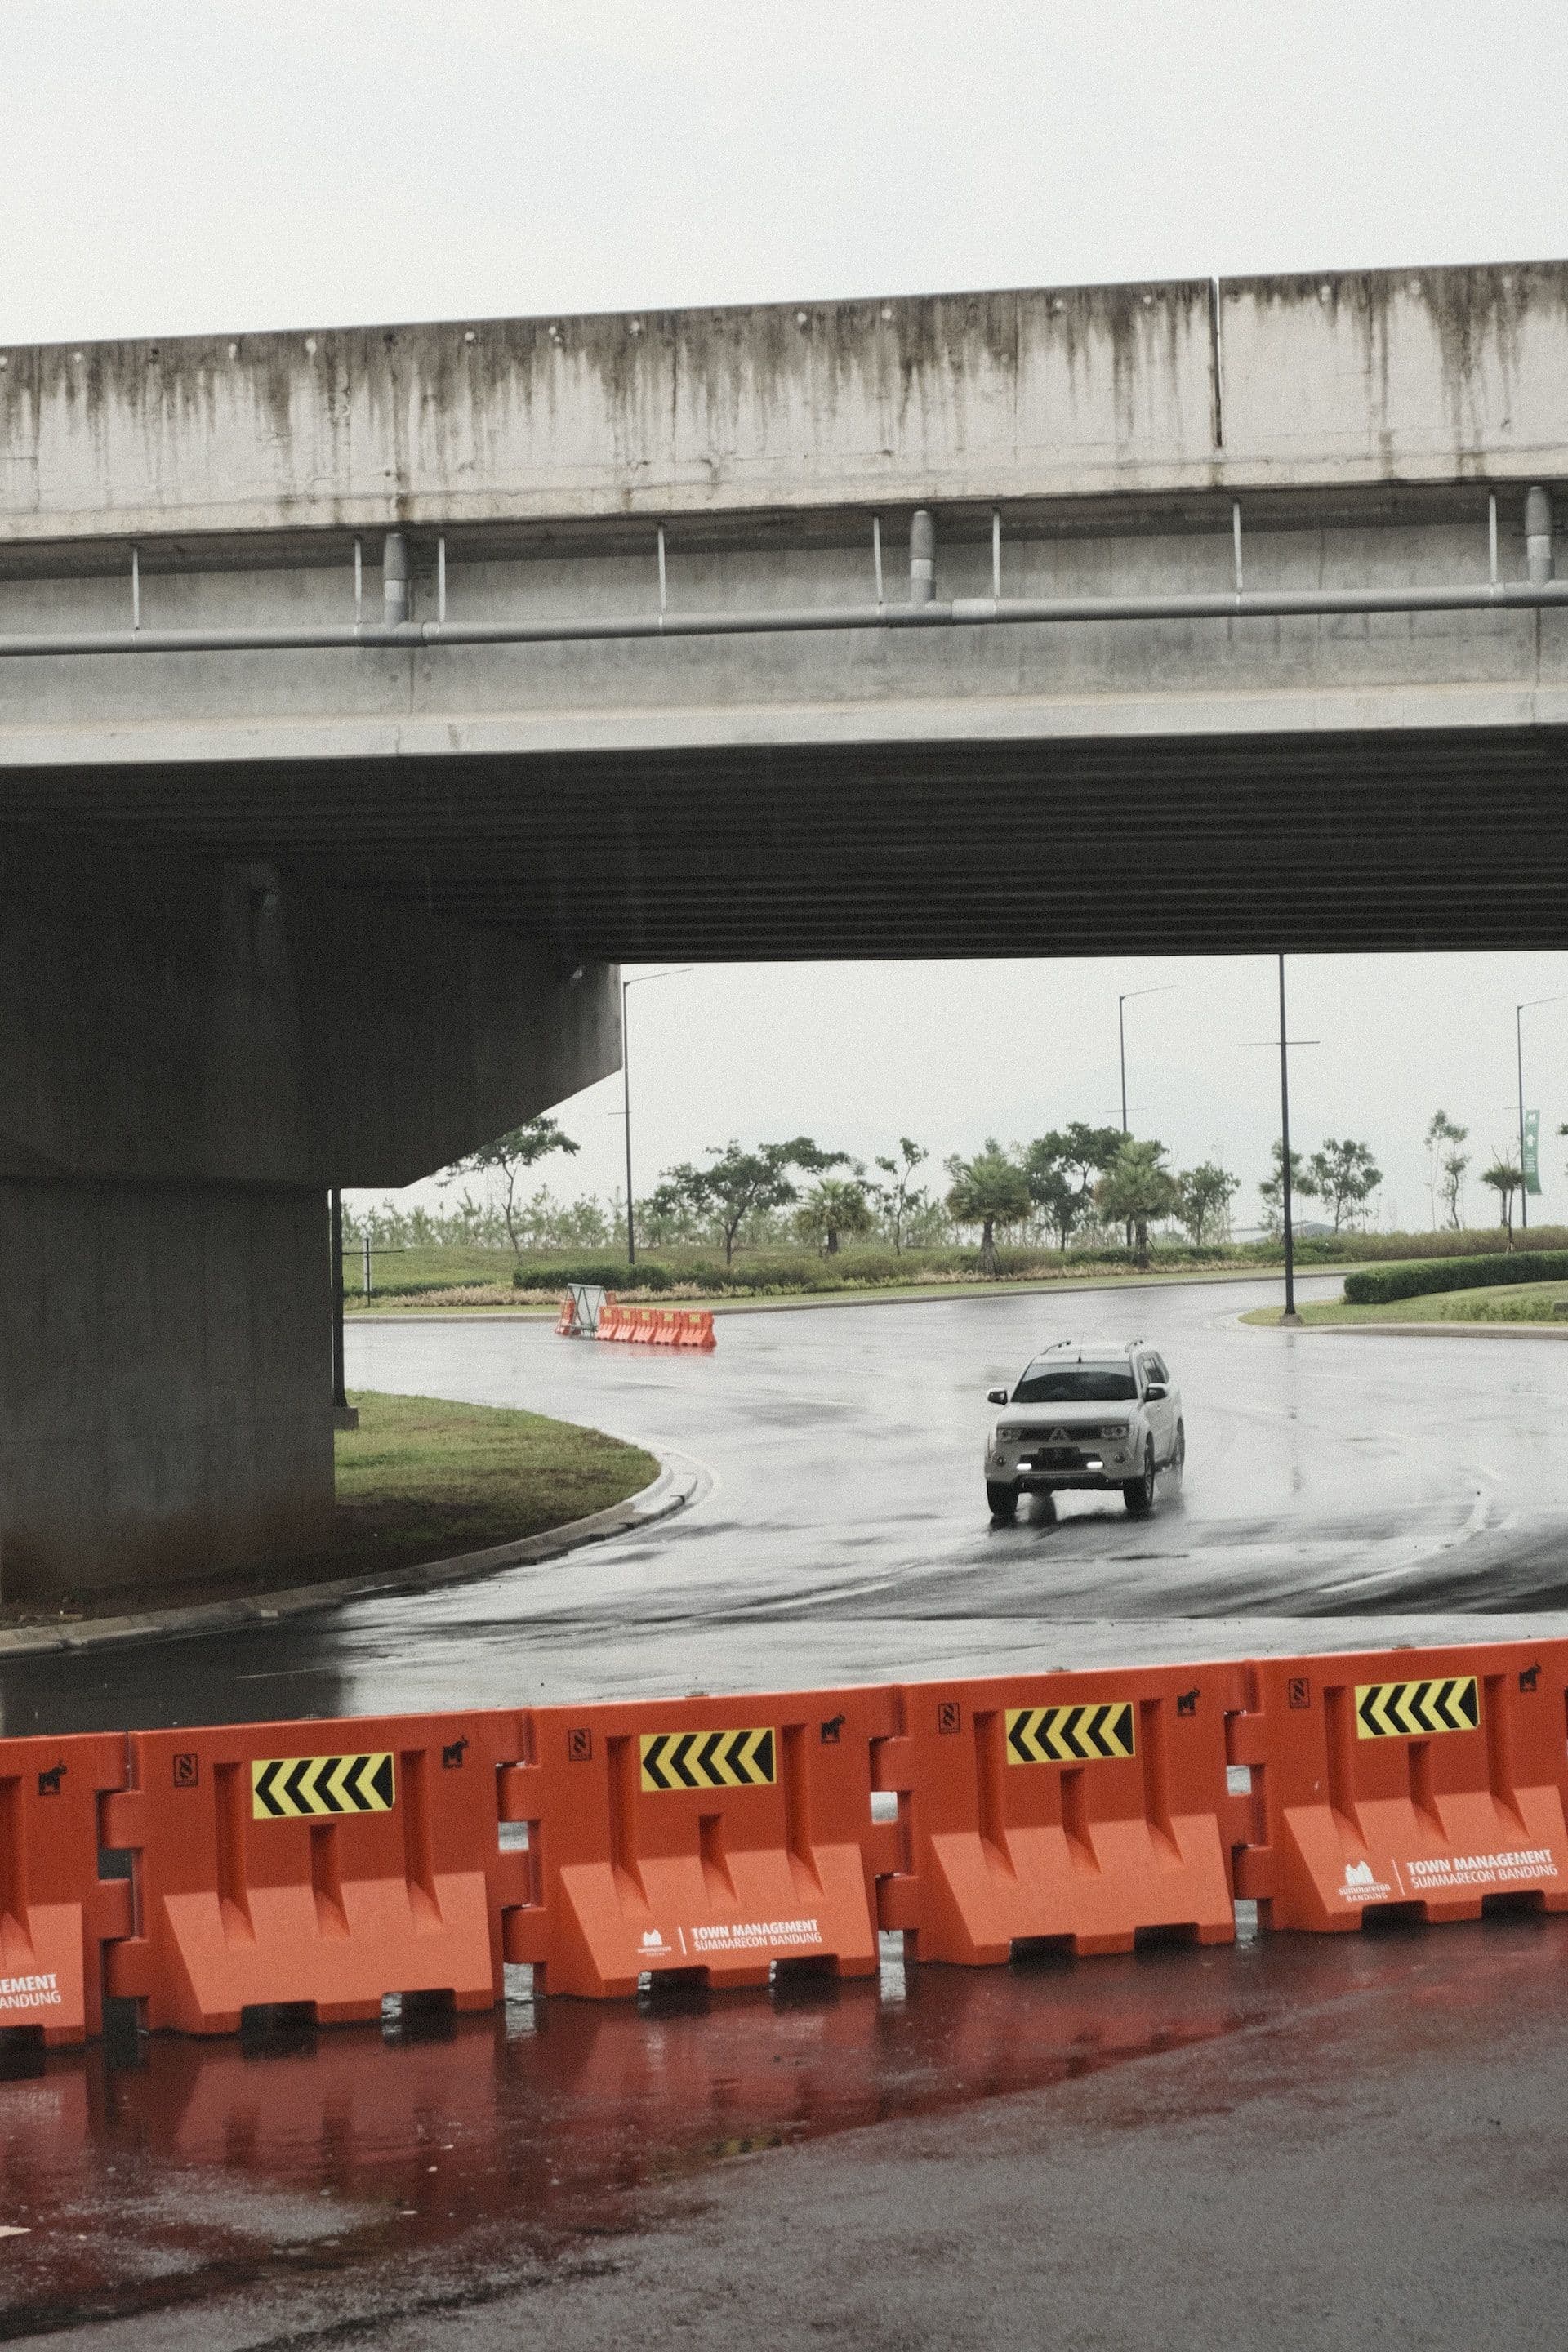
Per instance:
x=1375, y=1285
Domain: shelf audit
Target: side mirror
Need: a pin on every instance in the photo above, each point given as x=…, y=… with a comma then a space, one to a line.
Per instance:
x=996, y=1396
x=1154, y=1391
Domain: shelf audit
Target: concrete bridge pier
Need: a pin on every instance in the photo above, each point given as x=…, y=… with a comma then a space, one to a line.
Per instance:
x=190, y=1055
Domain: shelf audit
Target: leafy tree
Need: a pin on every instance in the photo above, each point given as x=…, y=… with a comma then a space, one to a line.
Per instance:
x=1343, y=1176
x=836, y=1205
x=1454, y=1166
x=1061, y=1170
x=1504, y=1178
x=1272, y=1187
x=900, y=1198
x=740, y=1183
x=987, y=1191
x=1057, y=1201
x=1137, y=1186
x=506, y=1158
x=1445, y=1165
x=1206, y=1193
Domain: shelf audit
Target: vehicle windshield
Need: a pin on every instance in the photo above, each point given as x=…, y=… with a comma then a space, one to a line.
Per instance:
x=1077, y=1384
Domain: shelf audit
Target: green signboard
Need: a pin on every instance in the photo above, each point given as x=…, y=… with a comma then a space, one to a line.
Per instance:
x=1533, y=1151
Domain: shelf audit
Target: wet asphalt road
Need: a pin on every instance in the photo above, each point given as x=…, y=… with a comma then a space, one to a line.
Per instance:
x=1304, y=2142
x=1307, y=2143
x=1368, y=1481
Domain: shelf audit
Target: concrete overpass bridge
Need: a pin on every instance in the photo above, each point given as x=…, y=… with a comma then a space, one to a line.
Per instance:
x=365, y=697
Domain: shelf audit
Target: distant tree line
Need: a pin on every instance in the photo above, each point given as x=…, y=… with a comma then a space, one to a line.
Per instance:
x=1078, y=1185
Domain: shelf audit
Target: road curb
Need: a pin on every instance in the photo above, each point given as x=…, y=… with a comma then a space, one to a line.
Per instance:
x=1416, y=1331
x=892, y=1296
x=680, y=1481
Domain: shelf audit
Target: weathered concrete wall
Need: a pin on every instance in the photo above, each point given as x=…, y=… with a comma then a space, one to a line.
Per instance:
x=164, y=1382
x=1458, y=669
x=192, y=1053
x=1378, y=376
x=171, y=1022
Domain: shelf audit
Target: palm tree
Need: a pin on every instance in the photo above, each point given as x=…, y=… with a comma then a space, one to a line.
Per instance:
x=1135, y=1187
x=1504, y=1178
x=988, y=1190
x=837, y=1205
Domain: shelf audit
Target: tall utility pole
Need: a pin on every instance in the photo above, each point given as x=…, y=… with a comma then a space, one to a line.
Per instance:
x=1518, y=1012
x=636, y=982
x=1121, y=1002
x=1289, y=1315
x=1287, y=1206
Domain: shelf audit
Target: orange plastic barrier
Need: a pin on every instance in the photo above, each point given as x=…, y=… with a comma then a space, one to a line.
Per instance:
x=1425, y=1780
x=566, y=1321
x=56, y=1913
x=655, y=1327
x=1083, y=1810
x=708, y=1838
x=320, y=1866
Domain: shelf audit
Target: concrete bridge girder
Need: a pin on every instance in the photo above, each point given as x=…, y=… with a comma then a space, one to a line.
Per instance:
x=279, y=919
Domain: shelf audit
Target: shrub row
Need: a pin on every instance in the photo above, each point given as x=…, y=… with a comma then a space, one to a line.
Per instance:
x=1416, y=1278
x=800, y=1270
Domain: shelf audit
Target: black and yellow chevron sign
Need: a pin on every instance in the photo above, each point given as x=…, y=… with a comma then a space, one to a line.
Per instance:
x=708, y=1759
x=289, y=1788
x=1072, y=1735
x=1406, y=1710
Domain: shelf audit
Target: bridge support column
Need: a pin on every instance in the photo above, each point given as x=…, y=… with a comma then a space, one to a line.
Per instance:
x=191, y=1054
x=164, y=1382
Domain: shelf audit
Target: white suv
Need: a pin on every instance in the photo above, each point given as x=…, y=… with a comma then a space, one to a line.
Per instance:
x=1086, y=1412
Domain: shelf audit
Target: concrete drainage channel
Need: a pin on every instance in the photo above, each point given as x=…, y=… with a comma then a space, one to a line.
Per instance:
x=681, y=1482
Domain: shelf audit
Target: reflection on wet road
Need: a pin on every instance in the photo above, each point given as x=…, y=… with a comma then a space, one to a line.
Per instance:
x=1369, y=1482
x=271, y=2190
x=1273, y=2143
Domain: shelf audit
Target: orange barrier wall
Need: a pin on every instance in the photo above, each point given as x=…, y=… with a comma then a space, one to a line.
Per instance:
x=704, y=1837
x=654, y=1326
x=54, y=1910
x=325, y=1865
x=1079, y=1809
x=321, y=1864
x=1430, y=1780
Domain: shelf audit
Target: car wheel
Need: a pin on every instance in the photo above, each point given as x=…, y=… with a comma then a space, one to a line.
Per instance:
x=1137, y=1493
x=1002, y=1500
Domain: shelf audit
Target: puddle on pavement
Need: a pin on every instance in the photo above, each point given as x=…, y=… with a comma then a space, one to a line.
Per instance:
x=149, y=2172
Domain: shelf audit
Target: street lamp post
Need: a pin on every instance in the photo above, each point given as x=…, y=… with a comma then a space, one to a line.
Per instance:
x=1121, y=1002
x=1287, y=1209
x=1518, y=1012
x=636, y=982
x=1289, y=1315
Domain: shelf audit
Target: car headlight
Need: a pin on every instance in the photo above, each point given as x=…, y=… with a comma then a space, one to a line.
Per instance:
x=1008, y=1433
x=1114, y=1429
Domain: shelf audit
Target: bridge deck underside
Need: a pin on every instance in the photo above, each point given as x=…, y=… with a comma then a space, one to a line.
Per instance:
x=1412, y=841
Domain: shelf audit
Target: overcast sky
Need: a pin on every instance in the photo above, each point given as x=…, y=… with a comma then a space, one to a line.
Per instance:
x=176, y=168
